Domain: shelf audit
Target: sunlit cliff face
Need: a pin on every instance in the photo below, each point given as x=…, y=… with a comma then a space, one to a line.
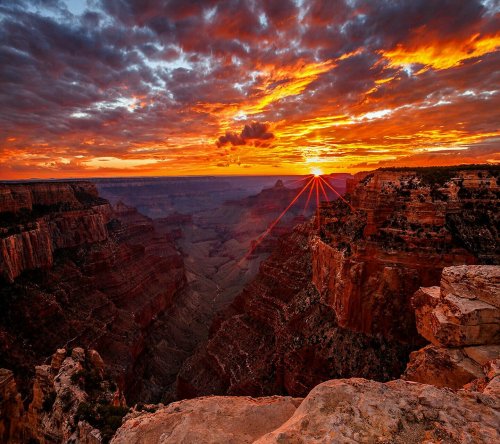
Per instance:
x=128, y=87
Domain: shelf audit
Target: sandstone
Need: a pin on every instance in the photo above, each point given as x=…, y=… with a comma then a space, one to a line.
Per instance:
x=465, y=309
x=483, y=354
x=356, y=410
x=214, y=420
x=442, y=367
x=463, y=328
x=473, y=282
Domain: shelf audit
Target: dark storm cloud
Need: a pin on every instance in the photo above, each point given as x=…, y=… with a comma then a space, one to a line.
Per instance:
x=251, y=132
x=388, y=22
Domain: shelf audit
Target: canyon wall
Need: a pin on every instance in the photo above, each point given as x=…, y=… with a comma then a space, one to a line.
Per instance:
x=77, y=272
x=335, y=301
x=406, y=226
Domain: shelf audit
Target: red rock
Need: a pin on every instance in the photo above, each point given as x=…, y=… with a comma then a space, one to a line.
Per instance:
x=337, y=411
x=442, y=367
x=465, y=330
x=83, y=274
x=11, y=408
x=456, y=314
x=231, y=420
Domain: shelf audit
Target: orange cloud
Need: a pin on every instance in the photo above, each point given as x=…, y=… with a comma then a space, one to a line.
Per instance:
x=440, y=55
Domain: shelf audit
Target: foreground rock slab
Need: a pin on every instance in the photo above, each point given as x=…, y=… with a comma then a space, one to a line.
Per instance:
x=336, y=411
x=216, y=419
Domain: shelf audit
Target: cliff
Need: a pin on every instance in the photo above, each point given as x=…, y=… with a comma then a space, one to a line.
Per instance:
x=77, y=272
x=406, y=226
x=39, y=218
x=335, y=302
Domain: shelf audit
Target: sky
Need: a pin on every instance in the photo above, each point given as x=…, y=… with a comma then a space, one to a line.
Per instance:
x=93, y=88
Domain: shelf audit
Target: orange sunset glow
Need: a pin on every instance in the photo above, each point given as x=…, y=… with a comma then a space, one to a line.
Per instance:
x=132, y=88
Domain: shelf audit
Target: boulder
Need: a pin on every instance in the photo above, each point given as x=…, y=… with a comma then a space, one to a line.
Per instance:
x=442, y=367
x=473, y=282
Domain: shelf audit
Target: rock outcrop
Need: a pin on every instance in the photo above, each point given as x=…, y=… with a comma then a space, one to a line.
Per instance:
x=337, y=411
x=73, y=401
x=76, y=272
x=335, y=302
x=461, y=319
x=11, y=408
x=230, y=420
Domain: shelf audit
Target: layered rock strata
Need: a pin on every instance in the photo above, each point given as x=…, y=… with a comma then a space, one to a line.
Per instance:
x=403, y=228
x=461, y=319
x=76, y=271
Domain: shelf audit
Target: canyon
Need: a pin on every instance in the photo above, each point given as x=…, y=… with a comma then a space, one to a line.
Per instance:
x=77, y=270
x=306, y=330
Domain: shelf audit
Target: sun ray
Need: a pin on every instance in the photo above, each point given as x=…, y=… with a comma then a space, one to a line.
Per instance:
x=259, y=240
x=324, y=192
x=308, y=199
x=316, y=180
x=337, y=193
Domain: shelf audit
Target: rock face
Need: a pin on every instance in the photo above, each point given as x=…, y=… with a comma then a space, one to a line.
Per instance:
x=335, y=302
x=43, y=196
x=77, y=272
x=279, y=337
x=40, y=218
x=337, y=411
x=72, y=399
x=406, y=226
x=461, y=319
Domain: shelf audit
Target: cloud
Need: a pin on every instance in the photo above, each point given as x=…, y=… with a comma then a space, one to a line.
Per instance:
x=154, y=83
x=250, y=132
